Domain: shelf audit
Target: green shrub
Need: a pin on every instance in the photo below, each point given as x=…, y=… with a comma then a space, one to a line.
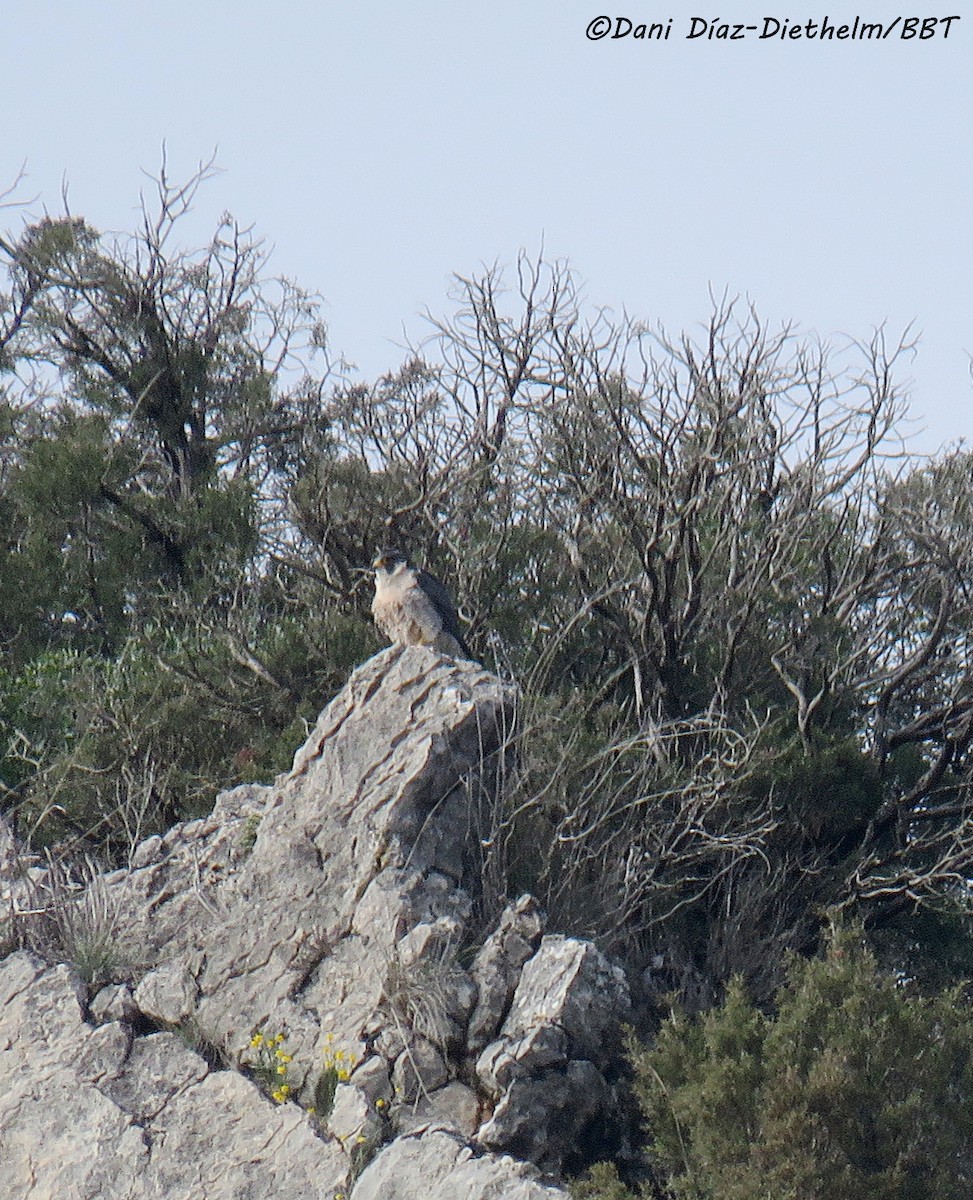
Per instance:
x=856, y=1087
x=600, y=1183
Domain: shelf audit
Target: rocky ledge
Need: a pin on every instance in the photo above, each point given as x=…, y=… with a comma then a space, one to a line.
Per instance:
x=304, y=995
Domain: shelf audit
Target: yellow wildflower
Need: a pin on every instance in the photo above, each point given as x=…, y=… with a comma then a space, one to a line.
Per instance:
x=279, y=1038
x=257, y=1039
x=380, y=1103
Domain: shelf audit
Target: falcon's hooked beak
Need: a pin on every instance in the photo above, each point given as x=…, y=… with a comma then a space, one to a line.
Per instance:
x=388, y=560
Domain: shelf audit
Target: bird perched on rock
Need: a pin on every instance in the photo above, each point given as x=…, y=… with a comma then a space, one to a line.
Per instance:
x=412, y=608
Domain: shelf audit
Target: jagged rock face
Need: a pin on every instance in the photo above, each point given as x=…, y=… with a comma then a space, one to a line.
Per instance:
x=330, y=907
x=361, y=842
x=545, y=1068
x=96, y=1111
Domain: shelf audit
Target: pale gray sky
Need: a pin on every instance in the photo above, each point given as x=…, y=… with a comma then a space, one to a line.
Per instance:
x=381, y=146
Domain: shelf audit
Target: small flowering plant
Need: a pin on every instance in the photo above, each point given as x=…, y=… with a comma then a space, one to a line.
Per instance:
x=338, y=1066
x=269, y=1061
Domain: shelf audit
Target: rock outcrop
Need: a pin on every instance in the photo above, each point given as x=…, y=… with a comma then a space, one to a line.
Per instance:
x=315, y=937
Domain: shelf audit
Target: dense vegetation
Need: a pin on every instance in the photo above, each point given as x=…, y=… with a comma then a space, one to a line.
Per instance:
x=855, y=1086
x=739, y=614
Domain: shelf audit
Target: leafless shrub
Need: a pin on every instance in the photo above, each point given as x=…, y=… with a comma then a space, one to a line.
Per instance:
x=723, y=558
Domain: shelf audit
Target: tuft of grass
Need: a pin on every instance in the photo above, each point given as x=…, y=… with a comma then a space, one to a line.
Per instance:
x=419, y=995
x=362, y=1153
x=248, y=838
x=74, y=918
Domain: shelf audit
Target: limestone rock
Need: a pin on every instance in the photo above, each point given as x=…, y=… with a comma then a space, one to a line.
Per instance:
x=158, y=1067
x=541, y=1047
x=331, y=912
x=94, y=1111
x=418, y=1070
x=167, y=994
x=103, y=1052
x=438, y=1166
x=223, y=1139
x=455, y=1108
x=372, y=1078
x=541, y=1117
x=147, y=852
x=353, y=1118
x=570, y=983
x=545, y=1068
x=113, y=1003
x=496, y=969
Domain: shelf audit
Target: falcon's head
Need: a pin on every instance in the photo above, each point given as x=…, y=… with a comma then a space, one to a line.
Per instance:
x=389, y=562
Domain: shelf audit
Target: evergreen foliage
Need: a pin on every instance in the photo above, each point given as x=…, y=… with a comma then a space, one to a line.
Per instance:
x=855, y=1085
x=738, y=616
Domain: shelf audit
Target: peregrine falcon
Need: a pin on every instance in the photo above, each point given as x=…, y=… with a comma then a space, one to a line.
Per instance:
x=412, y=608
